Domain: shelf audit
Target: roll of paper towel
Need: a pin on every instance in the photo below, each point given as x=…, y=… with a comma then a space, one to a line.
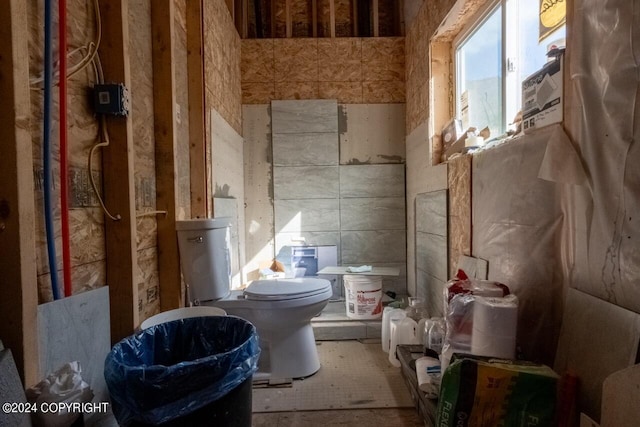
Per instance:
x=495, y=322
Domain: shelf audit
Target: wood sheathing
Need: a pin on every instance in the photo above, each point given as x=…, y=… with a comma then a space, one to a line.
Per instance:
x=351, y=70
x=87, y=221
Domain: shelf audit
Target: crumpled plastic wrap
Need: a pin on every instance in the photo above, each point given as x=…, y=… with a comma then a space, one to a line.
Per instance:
x=62, y=386
x=174, y=368
x=459, y=295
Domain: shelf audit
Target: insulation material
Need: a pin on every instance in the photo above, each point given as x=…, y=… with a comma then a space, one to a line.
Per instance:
x=516, y=228
x=604, y=125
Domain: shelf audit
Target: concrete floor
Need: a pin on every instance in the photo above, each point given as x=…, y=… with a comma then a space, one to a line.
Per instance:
x=394, y=417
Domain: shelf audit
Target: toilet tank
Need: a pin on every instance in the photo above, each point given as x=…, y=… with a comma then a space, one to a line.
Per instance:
x=204, y=246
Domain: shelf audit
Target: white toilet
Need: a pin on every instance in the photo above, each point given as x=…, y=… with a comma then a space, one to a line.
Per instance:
x=280, y=309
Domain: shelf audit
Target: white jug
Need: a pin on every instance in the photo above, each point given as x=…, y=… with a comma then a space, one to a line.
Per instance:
x=403, y=331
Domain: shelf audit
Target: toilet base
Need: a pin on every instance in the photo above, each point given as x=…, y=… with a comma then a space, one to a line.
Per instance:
x=293, y=355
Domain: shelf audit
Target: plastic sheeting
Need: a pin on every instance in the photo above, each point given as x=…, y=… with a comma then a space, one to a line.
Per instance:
x=172, y=369
x=517, y=228
x=603, y=124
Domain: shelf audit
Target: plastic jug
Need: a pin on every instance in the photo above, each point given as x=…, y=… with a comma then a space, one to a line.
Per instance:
x=403, y=331
x=387, y=314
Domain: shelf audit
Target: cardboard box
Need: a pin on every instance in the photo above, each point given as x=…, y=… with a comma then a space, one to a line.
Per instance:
x=542, y=96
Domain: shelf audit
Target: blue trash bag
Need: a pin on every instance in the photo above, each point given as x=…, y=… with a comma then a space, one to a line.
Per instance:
x=174, y=368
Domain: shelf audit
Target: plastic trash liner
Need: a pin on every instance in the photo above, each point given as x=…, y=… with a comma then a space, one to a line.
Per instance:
x=174, y=369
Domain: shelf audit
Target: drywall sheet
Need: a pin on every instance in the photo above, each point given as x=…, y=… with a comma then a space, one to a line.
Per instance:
x=372, y=133
x=77, y=328
x=516, y=227
x=604, y=127
x=597, y=339
x=431, y=247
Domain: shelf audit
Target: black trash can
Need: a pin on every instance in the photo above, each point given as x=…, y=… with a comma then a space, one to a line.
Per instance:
x=193, y=372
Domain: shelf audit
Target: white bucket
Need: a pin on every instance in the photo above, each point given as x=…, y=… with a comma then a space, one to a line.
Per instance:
x=363, y=296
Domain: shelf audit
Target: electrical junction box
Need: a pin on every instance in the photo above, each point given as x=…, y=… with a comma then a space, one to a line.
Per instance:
x=542, y=96
x=111, y=98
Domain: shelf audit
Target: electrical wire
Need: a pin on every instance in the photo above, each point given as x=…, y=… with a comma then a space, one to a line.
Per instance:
x=64, y=149
x=46, y=148
x=104, y=143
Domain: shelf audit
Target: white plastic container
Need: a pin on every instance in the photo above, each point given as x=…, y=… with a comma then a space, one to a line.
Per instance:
x=403, y=331
x=428, y=373
x=363, y=296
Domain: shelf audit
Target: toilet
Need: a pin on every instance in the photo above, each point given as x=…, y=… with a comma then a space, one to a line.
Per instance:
x=280, y=309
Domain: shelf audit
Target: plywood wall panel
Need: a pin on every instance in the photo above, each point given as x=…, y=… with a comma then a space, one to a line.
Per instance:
x=343, y=92
x=301, y=18
x=459, y=172
x=383, y=58
x=222, y=67
x=82, y=134
x=297, y=90
x=148, y=284
x=296, y=60
x=258, y=93
x=257, y=64
x=383, y=92
x=325, y=68
x=340, y=60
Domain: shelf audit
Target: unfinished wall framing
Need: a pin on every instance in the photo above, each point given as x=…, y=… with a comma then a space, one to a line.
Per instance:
x=318, y=18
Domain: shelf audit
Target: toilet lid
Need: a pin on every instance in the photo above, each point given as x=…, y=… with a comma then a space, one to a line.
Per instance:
x=283, y=289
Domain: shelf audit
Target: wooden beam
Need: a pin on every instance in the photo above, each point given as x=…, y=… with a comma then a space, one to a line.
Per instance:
x=441, y=103
x=197, y=134
x=231, y=6
x=118, y=178
x=332, y=18
x=245, y=19
x=355, y=17
x=376, y=19
x=165, y=125
x=18, y=278
x=272, y=8
x=314, y=18
x=287, y=14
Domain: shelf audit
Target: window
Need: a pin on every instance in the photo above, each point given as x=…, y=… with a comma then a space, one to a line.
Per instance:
x=505, y=44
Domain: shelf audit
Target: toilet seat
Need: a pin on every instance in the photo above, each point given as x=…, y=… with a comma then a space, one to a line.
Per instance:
x=285, y=289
